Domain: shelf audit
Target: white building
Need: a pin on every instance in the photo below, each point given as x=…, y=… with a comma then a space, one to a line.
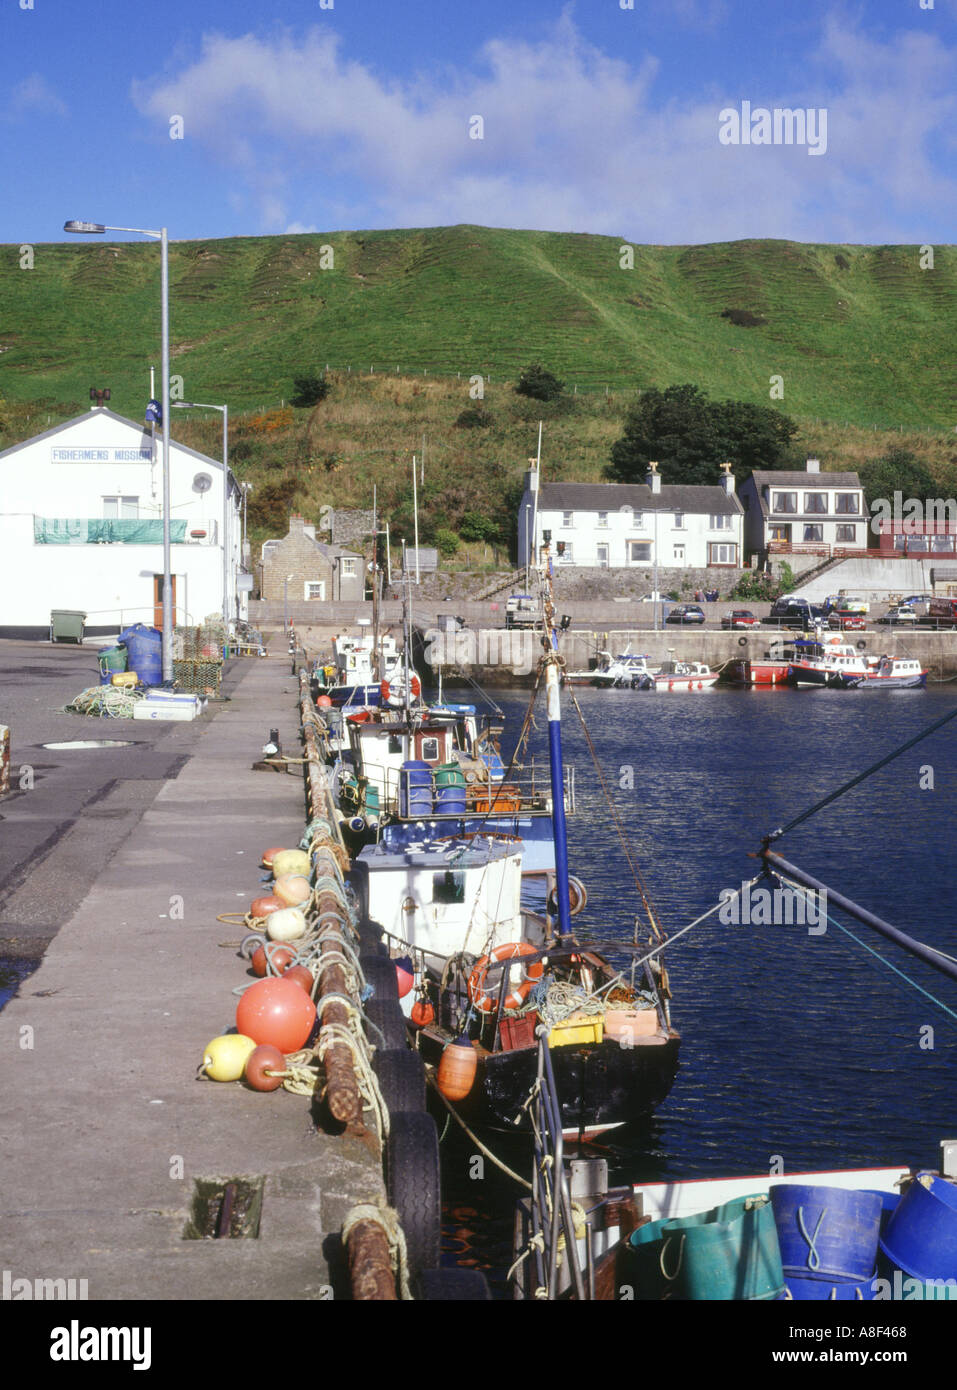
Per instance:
x=623, y=525
x=81, y=527
x=789, y=511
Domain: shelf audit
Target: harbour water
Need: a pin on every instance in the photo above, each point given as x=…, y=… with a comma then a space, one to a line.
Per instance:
x=800, y=1049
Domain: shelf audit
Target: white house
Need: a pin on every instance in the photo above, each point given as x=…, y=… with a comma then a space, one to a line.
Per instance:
x=81, y=527
x=612, y=525
x=788, y=510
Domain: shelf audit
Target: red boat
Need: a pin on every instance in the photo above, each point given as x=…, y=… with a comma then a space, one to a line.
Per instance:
x=770, y=669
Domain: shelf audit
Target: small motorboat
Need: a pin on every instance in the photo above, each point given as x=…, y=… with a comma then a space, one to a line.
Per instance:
x=887, y=673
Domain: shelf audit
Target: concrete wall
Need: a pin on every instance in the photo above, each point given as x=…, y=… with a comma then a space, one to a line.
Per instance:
x=872, y=578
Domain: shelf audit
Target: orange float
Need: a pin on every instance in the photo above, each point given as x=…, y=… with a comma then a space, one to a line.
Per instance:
x=457, y=1067
x=278, y=1012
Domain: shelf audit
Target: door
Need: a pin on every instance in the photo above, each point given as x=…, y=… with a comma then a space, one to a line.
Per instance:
x=602, y=557
x=158, y=600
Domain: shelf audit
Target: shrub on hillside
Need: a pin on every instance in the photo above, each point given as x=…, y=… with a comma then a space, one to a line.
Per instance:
x=447, y=543
x=473, y=417
x=309, y=390
x=538, y=383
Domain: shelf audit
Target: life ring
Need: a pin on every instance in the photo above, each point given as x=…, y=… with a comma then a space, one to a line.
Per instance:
x=577, y=897
x=511, y=950
x=861, y=646
x=742, y=641
x=415, y=685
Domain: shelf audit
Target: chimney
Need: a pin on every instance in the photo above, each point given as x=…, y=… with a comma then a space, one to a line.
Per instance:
x=297, y=524
x=727, y=479
x=653, y=477
x=814, y=465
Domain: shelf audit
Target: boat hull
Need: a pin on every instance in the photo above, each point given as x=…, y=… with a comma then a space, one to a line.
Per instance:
x=599, y=1085
x=756, y=673
x=915, y=682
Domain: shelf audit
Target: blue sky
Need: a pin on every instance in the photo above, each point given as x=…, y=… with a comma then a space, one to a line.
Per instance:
x=595, y=117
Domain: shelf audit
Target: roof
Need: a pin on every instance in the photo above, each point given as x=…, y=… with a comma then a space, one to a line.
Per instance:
x=707, y=499
x=104, y=411
x=801, y=478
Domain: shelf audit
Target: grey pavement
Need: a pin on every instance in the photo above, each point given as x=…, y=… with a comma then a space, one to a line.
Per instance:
x=103, y=1124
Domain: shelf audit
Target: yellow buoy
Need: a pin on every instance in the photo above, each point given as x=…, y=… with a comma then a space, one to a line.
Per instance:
x=288, y=924
x=225, y=1057
x=290, y=861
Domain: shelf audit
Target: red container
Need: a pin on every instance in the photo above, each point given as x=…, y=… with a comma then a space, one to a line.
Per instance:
x=518, y=1032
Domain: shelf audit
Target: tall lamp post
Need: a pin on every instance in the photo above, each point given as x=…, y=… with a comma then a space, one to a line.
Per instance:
x=89, y=228
x=224, y=411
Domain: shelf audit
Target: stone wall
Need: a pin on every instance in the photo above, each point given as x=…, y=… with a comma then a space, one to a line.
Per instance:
x=352, y=528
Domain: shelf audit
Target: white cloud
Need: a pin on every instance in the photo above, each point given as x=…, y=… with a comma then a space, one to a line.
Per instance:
x=34, y=94
x=299, y=229
x=573, y=139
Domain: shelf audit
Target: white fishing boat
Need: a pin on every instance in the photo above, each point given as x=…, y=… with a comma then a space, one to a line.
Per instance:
x=825, y=661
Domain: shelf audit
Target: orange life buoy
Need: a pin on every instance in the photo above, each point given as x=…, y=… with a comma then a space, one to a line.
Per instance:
x=510, y=950
x=384, y=690
x=415, y=685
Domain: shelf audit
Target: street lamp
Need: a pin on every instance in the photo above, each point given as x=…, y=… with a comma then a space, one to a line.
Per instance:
x=89, y=228
x=224, y=411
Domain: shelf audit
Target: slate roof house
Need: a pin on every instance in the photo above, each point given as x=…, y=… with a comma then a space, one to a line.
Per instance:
x=622, y=525
x=300, y=567
x=787, y=510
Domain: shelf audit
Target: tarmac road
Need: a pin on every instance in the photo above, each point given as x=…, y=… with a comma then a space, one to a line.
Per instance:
x=69, y=810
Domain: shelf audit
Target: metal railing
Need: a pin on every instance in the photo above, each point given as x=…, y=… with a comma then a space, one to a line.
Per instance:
x=526, y=791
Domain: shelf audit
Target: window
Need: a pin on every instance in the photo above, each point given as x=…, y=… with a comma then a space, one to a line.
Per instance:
x=448, y=886
x=602, y=518
x=847, y=504
x=602, y=556
x=917, y=543
x=941, y=543
x=781, y=533
x=348, y=566
x=785, y=502
x=639, y=552
x=429, y=750
x=565, y=555
x=315, y=588
x=847, y=534
x=121, y=508
x=813, y=535
x=679, y=554
x=638, y=521
x=815, y=503
x=679, y=521
x=719, y=523
x=568, y=518
x=722, y=554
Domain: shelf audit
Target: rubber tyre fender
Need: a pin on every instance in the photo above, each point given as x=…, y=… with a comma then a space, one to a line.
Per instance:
x=370, y=938
x=861, y=646
x=742, y=641
x=454, y=1286
x=379, y=972
x=390, y=1020
x=414, y=1187
x=401, y=1076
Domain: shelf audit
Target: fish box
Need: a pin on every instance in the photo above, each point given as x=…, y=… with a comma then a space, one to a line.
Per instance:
x=624, y=1025
x=577, y=1029
x=518, y=1032
x=165, y=710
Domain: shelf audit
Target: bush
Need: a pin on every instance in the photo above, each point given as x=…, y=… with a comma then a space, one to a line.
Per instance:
x=538, y=383
x=473, y=417
x=447, y=543
x=309, y=390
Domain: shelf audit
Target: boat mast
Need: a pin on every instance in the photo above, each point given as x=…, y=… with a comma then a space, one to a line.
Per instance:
x=377, y=674
x=552, y=662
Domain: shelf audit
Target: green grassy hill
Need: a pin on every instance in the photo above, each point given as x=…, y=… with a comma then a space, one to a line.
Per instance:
x=863, y=338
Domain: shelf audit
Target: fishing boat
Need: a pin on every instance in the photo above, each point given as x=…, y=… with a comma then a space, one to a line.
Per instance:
x=683, y=676
x=769, y=669
x=886, y=673
x=360, y=672
x=629, y=669
x=825, y=661
x=442, y=882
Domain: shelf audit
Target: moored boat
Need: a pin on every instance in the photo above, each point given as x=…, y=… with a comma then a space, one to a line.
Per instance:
x=887, y=673
x=825, y=661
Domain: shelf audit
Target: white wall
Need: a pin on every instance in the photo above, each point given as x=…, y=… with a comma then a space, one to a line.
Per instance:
x=586, y=535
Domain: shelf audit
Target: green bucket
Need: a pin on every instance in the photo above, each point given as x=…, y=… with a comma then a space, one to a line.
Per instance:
x=729, y=1252
x=449, y=775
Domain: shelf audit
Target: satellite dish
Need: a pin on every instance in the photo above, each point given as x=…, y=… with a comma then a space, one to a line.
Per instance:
x=202, y=482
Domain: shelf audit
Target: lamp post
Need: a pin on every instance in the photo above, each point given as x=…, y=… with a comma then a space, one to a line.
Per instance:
x=528, y=508
x=89, y=228
x=224, y=411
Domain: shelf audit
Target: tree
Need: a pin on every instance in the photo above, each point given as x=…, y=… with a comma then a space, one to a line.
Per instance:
x=897, y=471
x=447, y=542
x=309, y=390
x=538, y=383
x=689, y=435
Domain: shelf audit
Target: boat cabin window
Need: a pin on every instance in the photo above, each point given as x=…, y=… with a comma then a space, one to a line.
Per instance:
x=429, y=749
x=395, y=743
x=448, y=887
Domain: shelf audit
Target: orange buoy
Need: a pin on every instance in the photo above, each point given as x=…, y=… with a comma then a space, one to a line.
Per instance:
x=404, y=977
x=292, y=889
x=261, y=1064
x=262, y=907
x=301, y=975
x=422, y=1013
x=279, y=958
x=324, y=702
x=457, y=1067
x=278, y=1012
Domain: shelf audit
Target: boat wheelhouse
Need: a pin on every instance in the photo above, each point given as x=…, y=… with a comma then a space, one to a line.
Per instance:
x=825, y=661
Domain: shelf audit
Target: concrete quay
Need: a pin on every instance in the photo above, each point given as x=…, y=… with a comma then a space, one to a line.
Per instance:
x=104, y=1126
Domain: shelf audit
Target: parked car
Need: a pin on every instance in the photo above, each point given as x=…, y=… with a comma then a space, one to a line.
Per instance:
x=794, y=612
x=845, y=622
x=843, y=603
x=901, y=614
x=521, y=610
x=740, y=617
x=685, y=613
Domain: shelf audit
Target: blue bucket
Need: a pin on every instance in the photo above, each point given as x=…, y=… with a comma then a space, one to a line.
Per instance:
x=729, y=1252
x=827, y=1232
x=415, y=789
x=145, y=647
x=921, y=1236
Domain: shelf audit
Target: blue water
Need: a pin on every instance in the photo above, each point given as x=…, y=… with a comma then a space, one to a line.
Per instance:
x=797, y=1049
